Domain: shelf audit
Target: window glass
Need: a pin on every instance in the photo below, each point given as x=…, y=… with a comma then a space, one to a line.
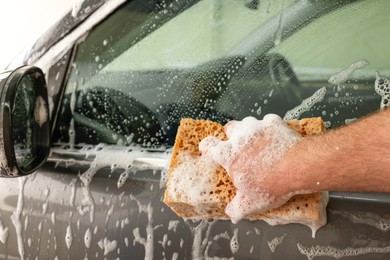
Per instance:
x=154, y=62
x=349, y=41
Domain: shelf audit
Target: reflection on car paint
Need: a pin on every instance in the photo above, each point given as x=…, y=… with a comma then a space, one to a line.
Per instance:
x=343, y=76
x=306, y=105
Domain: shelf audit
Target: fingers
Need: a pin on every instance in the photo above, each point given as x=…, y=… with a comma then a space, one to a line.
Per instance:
x=217, y=150
x=273, y=118
x=243, y=205
x=237, y=208
x=229, y=128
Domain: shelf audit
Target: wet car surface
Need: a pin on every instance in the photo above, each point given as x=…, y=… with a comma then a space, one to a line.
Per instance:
x=122, y=74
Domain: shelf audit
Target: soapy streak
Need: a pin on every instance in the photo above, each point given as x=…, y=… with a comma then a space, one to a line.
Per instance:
x=382, y=88
x=3, y=232
x=338, y=253
x=343, y=75
x=365, y=218
x=313, y=225
x=107, y=245
x=274, y=243
x=15, y=217
x=199, y=244
x=306, y=105
x=148, y=243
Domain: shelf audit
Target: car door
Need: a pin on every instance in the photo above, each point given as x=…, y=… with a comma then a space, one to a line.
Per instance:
x=150, y=63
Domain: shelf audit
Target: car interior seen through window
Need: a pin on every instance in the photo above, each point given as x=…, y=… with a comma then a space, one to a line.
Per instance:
x=133, y=77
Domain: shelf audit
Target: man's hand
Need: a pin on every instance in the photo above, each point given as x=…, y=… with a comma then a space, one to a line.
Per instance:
x=250, y=156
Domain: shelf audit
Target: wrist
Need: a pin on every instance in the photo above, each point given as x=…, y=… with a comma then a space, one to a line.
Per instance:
x=295, y=170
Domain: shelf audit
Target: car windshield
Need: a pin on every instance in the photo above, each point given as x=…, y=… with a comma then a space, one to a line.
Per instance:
x=152, y=63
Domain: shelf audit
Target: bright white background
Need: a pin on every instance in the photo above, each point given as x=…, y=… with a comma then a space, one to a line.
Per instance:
x=22, y=21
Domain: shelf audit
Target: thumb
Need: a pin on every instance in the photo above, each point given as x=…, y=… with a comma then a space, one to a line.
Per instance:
x=217, y=150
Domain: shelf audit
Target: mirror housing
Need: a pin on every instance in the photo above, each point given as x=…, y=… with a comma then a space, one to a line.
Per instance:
x=24, y=121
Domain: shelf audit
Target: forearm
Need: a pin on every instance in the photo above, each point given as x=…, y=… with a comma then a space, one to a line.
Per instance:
x=351, y=158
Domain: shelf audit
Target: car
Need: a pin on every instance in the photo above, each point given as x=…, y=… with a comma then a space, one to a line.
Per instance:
x=120, y=75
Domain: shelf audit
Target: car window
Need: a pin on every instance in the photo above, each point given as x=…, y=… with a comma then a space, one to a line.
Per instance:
x=342, y=51
x=153, y=62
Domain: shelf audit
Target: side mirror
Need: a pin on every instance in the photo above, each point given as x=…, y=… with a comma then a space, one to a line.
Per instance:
x=24, y=121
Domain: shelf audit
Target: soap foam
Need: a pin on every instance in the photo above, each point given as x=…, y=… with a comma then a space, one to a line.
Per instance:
x=148, y=243
x=164, y=241
x=200, y=232
x=15, y=217
x=122, y=178
x=234, y=244
x=367, y=218
x=172, y=225
x=314, y=225
x=107, y=245
x=382, y=88
x=193, y=177
x=109, y=213
x=68, y=237
x=87, y=238
x=314, y=251
x=88, y=203
x=343, y=75
x=306, y=105
x=224, y=235
x=3, y=233
x=241, y=134
x=73, y=192
x=274, y=243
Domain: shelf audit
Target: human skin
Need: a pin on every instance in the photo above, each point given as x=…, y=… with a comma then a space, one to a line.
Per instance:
x=350, y=158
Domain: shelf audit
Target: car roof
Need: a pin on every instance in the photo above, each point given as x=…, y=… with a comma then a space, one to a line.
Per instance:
x=56, y=32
